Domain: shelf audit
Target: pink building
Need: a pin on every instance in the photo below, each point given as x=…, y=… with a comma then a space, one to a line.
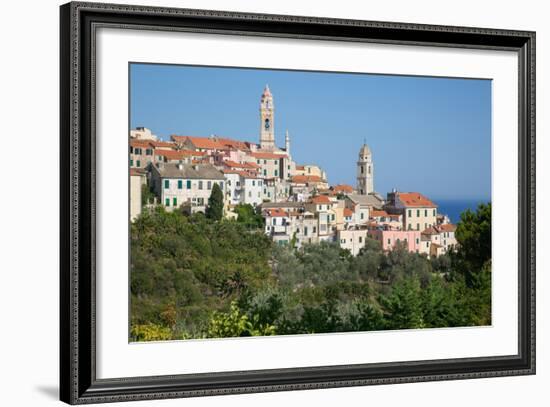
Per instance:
x=389, y=238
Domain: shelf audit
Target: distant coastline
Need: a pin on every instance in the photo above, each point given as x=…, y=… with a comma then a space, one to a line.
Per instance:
x=454, y=207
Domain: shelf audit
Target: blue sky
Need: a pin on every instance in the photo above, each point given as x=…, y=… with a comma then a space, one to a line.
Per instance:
x=431, y=135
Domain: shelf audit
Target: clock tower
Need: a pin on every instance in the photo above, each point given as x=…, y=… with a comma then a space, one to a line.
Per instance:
x=267, y=121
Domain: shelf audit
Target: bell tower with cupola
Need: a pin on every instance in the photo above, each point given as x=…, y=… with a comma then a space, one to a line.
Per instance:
x=267, y=120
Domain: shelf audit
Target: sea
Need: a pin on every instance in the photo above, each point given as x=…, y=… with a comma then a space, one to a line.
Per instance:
x=454, y=207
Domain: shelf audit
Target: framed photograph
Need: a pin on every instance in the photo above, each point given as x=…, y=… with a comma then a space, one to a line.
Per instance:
x=254, y=203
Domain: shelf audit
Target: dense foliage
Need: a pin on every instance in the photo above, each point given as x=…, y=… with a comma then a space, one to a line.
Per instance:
x=196, y=277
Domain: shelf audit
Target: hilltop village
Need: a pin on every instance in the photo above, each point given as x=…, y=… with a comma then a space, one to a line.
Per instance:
x=295, y=200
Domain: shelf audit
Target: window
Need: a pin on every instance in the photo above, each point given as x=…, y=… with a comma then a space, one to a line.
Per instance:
x=149, y=151
x=362, y=215
x=257, y=161
x=221, y=185
x=417, y=240
x=418, y=226
x=410, y=226
x=427, y=244
x=314, y=229
x=362, y=169
x=253, y=183
x=342, y=240
x=305, y=231
x=138, y=164
x=167, y=201
x=418, y=213
x=274, y=221
x=131, y=150
x=131, y=163
x=238, y=183
x=434, y=212
x=229, y=182
x=410, y=213
x=138, y=151
x=276, y=173
x=188, y=184
x=175, y=201
x=389, y=241
x=360, y=239
x=333, y=216
x=209, y=185
x=425, y=212
x=166, y=184
x=265, y=172
x=180, y=184
x=269, y=194
x=265, y=161
x=200, y=184
x=289, y=167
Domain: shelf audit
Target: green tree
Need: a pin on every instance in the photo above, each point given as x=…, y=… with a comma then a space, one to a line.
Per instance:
x=403, y=306
x=249, y=216
x=473, y=234
x=214, y=210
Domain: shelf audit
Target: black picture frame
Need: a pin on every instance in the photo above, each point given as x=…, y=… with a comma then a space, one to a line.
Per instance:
x=78, y=382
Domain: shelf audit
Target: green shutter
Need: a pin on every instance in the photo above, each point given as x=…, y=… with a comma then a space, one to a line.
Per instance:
x=180, y=184
x=166, y=184
x=167, y=201
x=131, y=163
x=138, y=164
x=175, y=201
x=188, y=184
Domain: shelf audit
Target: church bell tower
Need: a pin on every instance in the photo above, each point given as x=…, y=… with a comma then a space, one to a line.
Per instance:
x=267, y=121
x=365, y=171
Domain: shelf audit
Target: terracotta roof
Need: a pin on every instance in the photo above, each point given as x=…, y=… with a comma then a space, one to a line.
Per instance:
x=300, y=168
x=137, y=172
x=201, y=142
x=415, y=199
x=447, y=227
x=243, y=174
x=250, y=165
x=233, y=164
x=376, y=214
x=321, y=199
x=348, y=212
x=234, y=144
x=162, y=144
x=141, y=143
x=302, y=179
x=430, y=231
x=276, y=213
x=267, y=155
x=343, y=188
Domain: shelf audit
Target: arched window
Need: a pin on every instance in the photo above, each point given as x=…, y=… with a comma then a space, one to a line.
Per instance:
x=369, y=169
x=267, y=124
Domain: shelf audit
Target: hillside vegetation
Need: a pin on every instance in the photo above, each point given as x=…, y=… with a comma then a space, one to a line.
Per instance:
x=198, y=277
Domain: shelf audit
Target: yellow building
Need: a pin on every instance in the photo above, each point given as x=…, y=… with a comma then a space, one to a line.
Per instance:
x=419, y=213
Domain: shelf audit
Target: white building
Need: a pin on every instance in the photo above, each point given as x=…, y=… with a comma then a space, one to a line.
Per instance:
x=352, y=239
x=186, y=184
x=243, y=187
x=142, y=133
